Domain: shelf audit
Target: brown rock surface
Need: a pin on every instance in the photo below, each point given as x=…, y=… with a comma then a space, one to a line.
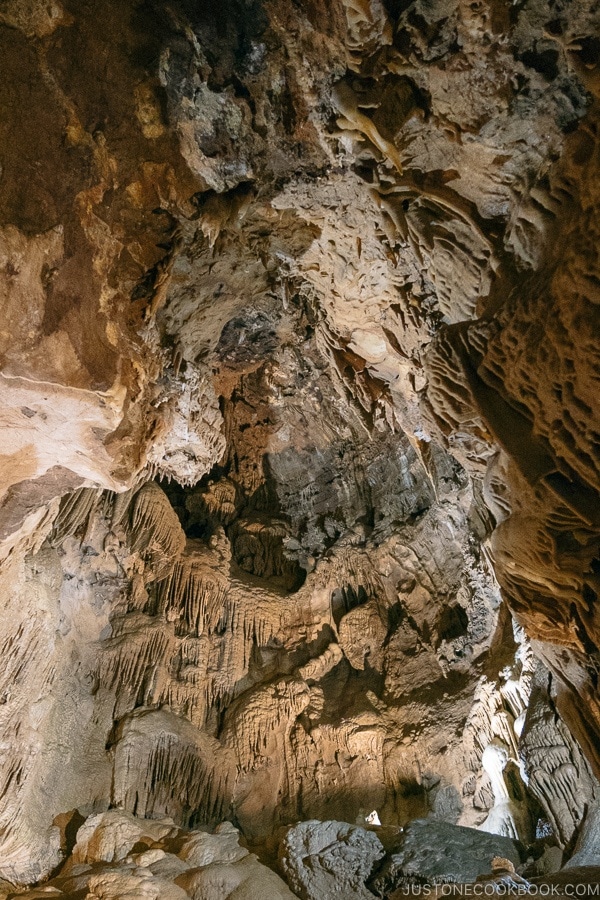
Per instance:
x=298, y=398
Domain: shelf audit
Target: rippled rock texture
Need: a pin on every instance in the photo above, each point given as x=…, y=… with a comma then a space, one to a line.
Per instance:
x=299, y=378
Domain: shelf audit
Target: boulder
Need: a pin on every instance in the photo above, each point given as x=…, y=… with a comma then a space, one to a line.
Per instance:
x=138, y=884
x=329, y=859
x=170, y=866
x=112, y=835
x=247, y=879
x=202, y=849
x=431, y=852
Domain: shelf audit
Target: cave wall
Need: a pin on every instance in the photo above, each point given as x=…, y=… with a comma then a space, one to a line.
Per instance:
x=298, y=378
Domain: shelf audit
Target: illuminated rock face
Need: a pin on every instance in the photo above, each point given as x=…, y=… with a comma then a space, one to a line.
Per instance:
x=298, y=394
x=117, y=855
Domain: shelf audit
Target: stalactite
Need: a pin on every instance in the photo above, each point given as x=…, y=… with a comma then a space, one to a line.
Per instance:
x=133, y=658
x=74, y=513
x=164, y=766
x=155, y=530
x=196, y=597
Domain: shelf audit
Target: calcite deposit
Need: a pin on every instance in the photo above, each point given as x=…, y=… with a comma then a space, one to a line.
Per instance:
x=299, y=457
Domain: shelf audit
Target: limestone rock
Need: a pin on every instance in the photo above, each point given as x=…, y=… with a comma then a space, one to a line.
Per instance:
x=111, y=836
x=169, y=866
x=329, y=859
x=554, y=767
x=578, y=880
x=549, y=862
x=221, y=847
x=246, y=879
x=298, y=402
x=587, y=847
x=430, y=852
x=138, y=882
x=119, y=855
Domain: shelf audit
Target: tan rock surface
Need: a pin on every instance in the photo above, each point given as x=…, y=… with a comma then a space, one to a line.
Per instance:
x=298, y=399
x=117, y=855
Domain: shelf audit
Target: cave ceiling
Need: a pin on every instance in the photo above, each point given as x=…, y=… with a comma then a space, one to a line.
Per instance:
x=299, y=378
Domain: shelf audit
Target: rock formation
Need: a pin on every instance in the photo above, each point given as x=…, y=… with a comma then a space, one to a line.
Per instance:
x=117, y=855
x=329, y=859
x=299, y=492
x=429, y=852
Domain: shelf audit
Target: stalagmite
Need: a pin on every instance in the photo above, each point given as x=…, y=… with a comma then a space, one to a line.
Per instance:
x=508, y=817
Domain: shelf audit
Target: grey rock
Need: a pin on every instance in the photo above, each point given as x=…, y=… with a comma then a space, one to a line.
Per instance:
x=550, y=861
x=439, y=853
x=587, y=848
x=329, y=859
